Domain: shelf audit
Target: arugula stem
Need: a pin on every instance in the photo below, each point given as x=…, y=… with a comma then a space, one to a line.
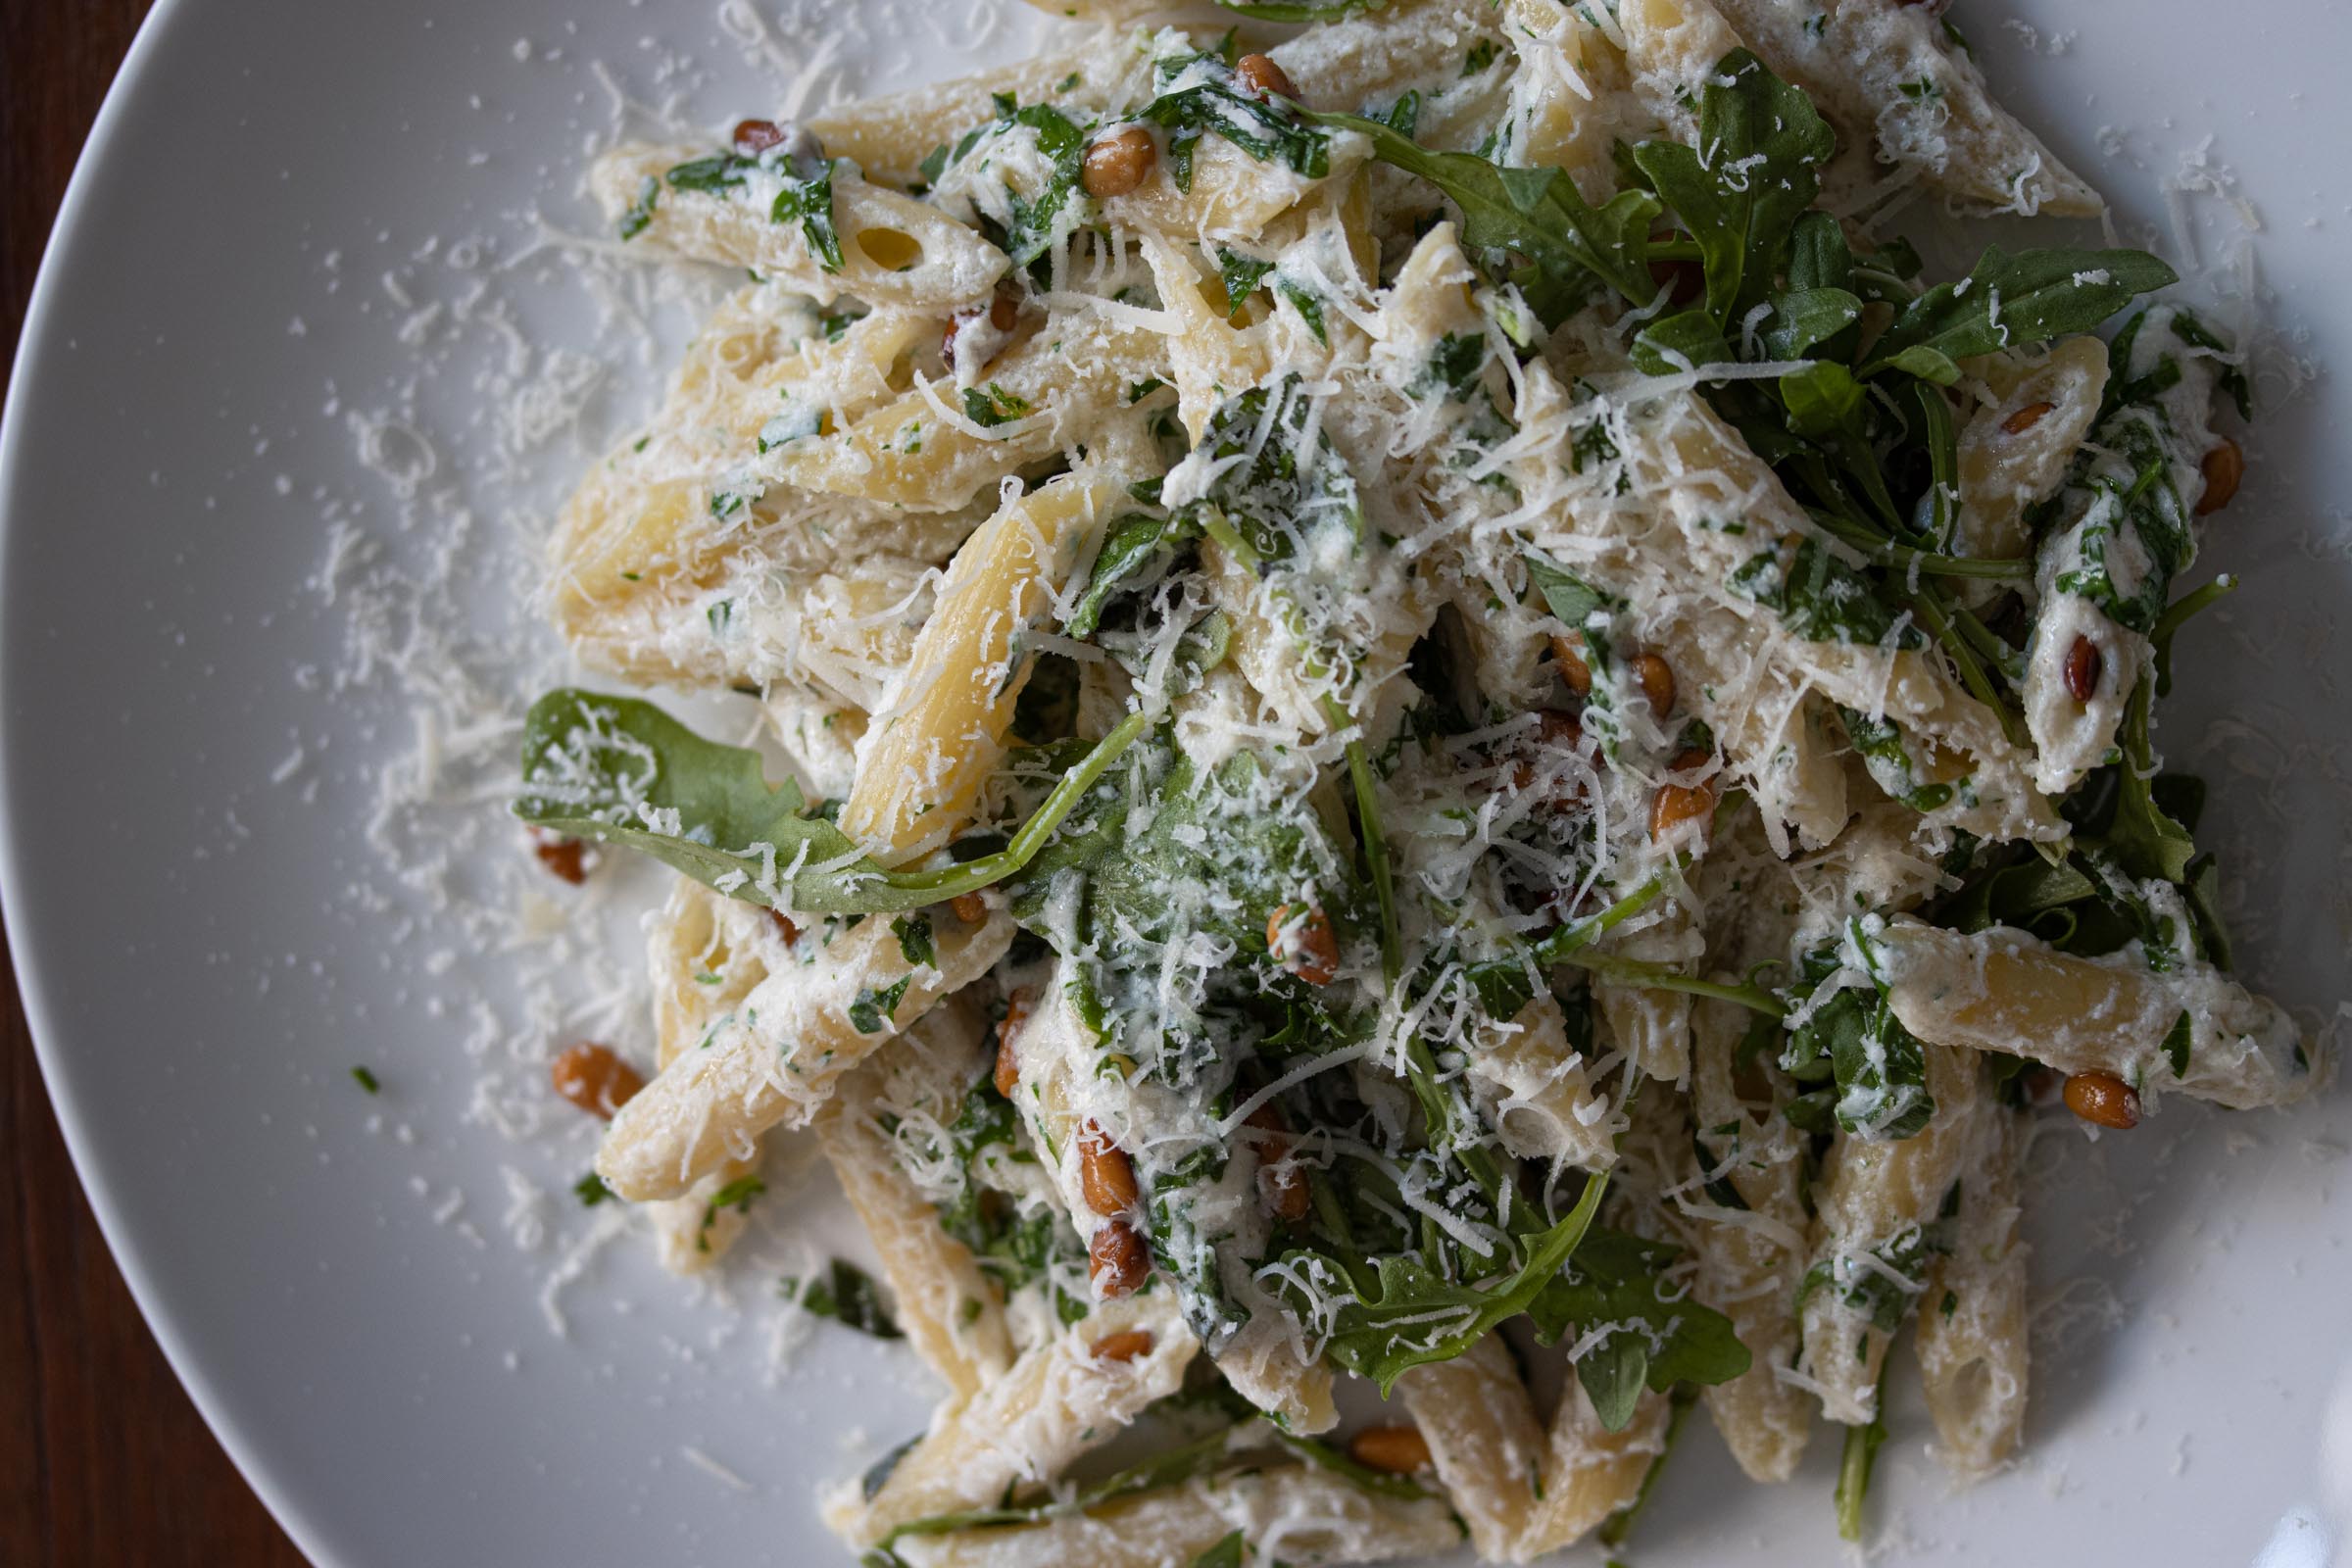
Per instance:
x=1583, y=933
x=948, y=881
x=1875, y=549
x=1376, y=858
x=1658, y=977
x=1972, y=675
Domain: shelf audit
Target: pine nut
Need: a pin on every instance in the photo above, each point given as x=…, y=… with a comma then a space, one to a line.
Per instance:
x=2103, y=1099
x=1117, y=1259
x=2084, y=665
x=1104, y=1172
x=2025, y=419
x=1398, y=1451
x=1118, y=163
x=1305, y=944
x=1263, y=76
x=1124, y=1346
x=2224, y=468
x=1008, y=1030
x=594, y=1079
x=1656, y=679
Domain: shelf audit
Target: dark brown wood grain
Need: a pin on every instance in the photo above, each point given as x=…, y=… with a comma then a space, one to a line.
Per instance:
x=102, y=1460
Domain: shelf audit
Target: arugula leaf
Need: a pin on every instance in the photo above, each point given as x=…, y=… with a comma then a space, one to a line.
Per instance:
x=2145, y=840
x=1030, y=233
x=1805, y=318
x=849, y=1296
x=1218, y=105
x=914, y=931
x=810, y=200
x=1854, y=1039
x=872, y=1011
x=806, y=194
x=990, y=406
x=736, y=1195
x=1409, y=1316
x=620, y=771
x=1879, y=744
x=1241, y=275
x=1228, y=1552
x=1535, y=212
x=2010, y=301
x=1135, y=549
x=1742, y=190
x=591, y=1190
x=1268, y=506
x=1691, y=338
x=1656, y=1338
x=1820, y=596
x=633, y=222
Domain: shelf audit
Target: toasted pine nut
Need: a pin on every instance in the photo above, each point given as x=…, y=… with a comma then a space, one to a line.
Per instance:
x=1008, y=1030
x=784, y=926
x=1399, y=1450
x=2084, y=664
x=1656, y=678
x=1281, y=1185
x=1263, y=76
x=2025, y=419
x=1117, y=1259
x=1003, y=311
x=1105, y=1171
x=1568, y=658
x=1118, y=163
x=970, y=908
x=1305, y=944
x=2103, y=1098
x=2224, y=468
x=755, y=136
x=1677, y=804
x=1124, y=1346
x=563, y=857
x=594, y=1079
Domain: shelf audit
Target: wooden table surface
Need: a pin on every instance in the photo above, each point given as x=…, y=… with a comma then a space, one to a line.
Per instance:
x=102, y=1460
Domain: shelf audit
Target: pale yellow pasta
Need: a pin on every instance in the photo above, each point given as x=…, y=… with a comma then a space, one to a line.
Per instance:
x=1488, y=1446
x=889, y=137
x=1671, y=47
x=1653, y=1027
x=776, y=1060
x=1750, y=1260
x=1874, y=1205
x=947, y=1308
x=1590, y=1472
x=925, y=452
x=943, y=732
x=1572, y=96
x=894, y=250
x=1289, y=1514
x=1971, y=1338
x=1884, y=70
x=1538, y=1090
x=2002, y=990
x=2035, y=411
x=1058, y=1402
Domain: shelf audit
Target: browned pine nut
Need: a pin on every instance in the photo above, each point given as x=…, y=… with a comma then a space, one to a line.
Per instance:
x=970, y=908
x=2083, y=666
x=1003, y=311
x=1009, y=1061
x=594, y=1079
x=1398, y=1451
x=1677, y=804
x=1263, y=76
x=2103, y=1099
x=755, y=136
x=784, y=926
x=1104, y=1172
x=1568, y=657
x=1281, y=1185
x=2224, y=468
x=2025, y=419
x=563, y=857
x=1124, y=1346
x=1117, y=162
x=1305, y=944
x=1117, y=1259
x=1656, y=678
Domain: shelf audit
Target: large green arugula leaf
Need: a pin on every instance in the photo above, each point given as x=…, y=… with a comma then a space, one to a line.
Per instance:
x=1535, y=212
x=1743, y=188
x=1657, y=1337
x=622, y=771
x=2008, y=302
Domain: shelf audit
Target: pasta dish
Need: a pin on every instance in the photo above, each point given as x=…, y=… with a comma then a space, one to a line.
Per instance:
x=1446, y=761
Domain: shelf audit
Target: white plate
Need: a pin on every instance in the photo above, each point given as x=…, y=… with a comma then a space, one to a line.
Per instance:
x=286, y=257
